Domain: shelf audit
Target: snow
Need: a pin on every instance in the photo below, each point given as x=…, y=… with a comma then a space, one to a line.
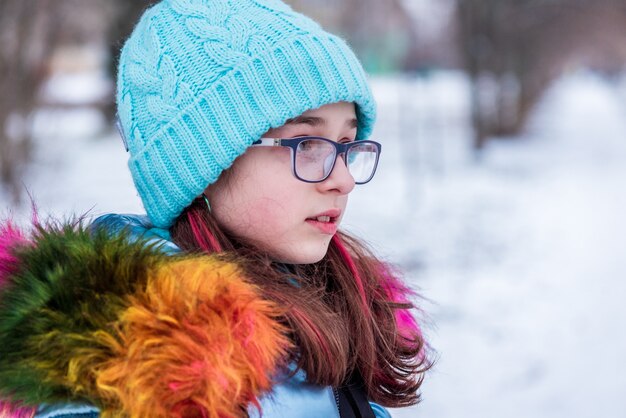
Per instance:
x=519, y=253
x=77, y=88
x=522, y=256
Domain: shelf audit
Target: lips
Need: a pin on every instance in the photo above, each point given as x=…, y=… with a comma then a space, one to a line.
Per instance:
x=325, y=222
x=323, y=219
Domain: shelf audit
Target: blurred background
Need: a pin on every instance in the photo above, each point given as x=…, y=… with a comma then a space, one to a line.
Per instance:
x=501, y=190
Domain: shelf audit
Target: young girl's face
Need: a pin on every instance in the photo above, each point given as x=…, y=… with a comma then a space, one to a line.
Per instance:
x=260, y=201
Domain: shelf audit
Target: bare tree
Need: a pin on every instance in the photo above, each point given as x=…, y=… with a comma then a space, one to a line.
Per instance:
x=31, y=31
x=513, y=49
x=27, y=33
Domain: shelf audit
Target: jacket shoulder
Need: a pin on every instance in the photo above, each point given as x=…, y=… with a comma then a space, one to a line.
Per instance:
x=67, y=411
x=138, y=227
x=80, y=307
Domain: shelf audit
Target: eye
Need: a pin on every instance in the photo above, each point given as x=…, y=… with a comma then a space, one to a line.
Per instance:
x=305, y=145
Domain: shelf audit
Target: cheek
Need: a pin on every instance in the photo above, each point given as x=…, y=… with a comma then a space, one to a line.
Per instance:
x=263, y=204
x=257, y=211
x=268, y=225
x=277, y=208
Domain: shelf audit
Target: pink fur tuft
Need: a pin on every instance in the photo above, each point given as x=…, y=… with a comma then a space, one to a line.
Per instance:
x=10, y=237
x=8, y=410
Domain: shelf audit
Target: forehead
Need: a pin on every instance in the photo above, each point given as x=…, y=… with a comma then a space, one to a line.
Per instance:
x=335, y=114
x=340, y=110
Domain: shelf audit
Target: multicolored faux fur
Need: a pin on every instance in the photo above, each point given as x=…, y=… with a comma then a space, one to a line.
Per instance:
x=11, y=410
x=89, y=317
x=10, y=237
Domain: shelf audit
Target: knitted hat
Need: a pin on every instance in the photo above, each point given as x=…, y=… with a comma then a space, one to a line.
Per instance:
x=200, y=80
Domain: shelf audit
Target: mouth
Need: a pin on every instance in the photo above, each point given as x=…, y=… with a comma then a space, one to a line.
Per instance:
x=330, y=216
x=326, y=222
x=324, y=219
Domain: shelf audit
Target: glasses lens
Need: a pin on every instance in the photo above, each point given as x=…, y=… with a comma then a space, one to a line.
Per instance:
x=314, y=159
x=362, y=159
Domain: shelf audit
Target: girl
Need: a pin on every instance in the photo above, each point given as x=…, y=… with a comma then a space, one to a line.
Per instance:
x=237, y=295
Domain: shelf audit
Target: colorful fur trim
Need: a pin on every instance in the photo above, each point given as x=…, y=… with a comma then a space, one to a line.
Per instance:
x=98, y=318
x=10, y=237
x=8, y=410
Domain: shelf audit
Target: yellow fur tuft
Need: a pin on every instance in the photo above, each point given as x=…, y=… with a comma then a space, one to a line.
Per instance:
x=198, y=341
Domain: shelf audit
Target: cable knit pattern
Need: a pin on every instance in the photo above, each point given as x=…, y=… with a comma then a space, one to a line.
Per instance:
x=200, y=80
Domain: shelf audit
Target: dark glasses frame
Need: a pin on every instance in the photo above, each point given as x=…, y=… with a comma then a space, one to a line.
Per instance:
x=340, y=149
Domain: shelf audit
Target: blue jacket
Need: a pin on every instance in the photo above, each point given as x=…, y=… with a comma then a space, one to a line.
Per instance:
x=293, y=398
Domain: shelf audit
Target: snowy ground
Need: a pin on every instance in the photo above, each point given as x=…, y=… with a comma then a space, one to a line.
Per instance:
x=521, y=256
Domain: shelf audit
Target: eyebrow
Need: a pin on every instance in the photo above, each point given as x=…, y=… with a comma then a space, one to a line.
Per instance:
x=316, y=121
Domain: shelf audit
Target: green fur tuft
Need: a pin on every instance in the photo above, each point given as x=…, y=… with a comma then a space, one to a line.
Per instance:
x=69, y=288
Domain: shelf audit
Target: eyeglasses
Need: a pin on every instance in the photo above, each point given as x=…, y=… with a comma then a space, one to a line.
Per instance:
x=313, y=158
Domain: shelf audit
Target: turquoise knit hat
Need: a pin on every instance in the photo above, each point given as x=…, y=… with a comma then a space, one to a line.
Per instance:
x=200, y=80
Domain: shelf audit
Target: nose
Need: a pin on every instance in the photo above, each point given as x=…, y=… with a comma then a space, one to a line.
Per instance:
x=340, y=178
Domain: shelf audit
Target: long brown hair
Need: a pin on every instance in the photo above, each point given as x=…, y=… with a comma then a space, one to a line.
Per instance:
x=347, y=313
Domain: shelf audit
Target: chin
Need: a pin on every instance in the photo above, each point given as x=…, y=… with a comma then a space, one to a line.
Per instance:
x=302, y=255
x=301, y=259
